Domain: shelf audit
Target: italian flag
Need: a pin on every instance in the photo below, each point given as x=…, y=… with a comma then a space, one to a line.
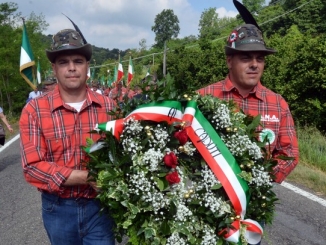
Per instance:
x=130, y=71
x=120, y=72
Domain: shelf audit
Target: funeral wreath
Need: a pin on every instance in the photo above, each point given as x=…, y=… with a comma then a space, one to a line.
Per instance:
x=183, y=169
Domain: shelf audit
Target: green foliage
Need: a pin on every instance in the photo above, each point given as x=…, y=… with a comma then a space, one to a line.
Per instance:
x=312, y=147
x=208, y=24
x=195, y=67
x=308, y=16
x=254, y=6
x=299, y=76
x=13, y=89
x=166, y=27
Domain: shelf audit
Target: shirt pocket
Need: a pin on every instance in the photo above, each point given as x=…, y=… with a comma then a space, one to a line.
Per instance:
x=59, y=150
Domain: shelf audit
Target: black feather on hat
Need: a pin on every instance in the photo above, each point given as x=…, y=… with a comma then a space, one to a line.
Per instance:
x=77, y=29
x=247, y=37
x=245, y=14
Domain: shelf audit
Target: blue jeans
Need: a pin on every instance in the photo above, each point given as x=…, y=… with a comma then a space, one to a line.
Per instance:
x=71, y=221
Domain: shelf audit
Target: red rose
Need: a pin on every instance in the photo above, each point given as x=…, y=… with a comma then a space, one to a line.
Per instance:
x=173, y=178
x=170, y=160
x=181, y=136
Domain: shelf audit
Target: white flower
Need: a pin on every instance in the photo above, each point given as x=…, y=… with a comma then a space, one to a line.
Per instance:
x=175, y=239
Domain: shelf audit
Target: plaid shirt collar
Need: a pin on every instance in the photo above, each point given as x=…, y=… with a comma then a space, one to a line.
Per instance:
x=257, y=90
x=57, y=102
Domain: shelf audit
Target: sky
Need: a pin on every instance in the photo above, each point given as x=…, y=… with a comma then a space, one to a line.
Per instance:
x=120, y=24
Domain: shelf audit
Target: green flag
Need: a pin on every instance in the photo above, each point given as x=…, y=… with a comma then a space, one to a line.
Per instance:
x=93, y=74
x=102, y=80
x=39, y=80
x=26, y=59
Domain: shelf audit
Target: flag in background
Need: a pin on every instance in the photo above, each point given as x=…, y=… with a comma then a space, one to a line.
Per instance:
x=26, y=59
x=88, y=74
x=93, y=74
x=102, y=80
x=115, y=76
x=39, y=80
x=120, y=71
x=110, y=81
x=130, y=71
x=148, y=72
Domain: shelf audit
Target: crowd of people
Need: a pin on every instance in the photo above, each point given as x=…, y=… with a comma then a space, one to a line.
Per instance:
x=119, y=92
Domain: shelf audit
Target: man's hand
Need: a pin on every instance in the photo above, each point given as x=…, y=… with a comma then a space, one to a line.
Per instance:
x=93, y=184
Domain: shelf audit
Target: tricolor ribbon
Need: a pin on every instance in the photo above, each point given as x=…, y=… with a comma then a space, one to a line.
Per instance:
x=212, y=149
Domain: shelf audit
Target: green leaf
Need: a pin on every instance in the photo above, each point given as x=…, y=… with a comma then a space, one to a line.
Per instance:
x=134, y=209
x=165, y=228
x=149, y=232
x=216, y=187
x=161, y=183
x=126, y=224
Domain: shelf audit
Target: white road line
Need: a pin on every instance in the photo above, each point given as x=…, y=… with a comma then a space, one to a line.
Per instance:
x=304, y=193
x=284, y=184
x=9, y=142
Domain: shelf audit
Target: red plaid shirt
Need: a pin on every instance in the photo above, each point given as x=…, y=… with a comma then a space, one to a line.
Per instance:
x=276, y=118
x=52, y=134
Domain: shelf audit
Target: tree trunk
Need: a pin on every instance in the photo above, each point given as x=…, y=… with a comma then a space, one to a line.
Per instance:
x=164, y=60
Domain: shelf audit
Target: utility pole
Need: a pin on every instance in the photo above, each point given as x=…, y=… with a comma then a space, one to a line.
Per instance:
x=164, y=60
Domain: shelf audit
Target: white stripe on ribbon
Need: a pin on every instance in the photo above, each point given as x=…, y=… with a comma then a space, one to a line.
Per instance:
x=158, y=110
x=227, y=170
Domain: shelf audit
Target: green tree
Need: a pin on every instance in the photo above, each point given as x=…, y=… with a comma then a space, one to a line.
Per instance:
x=9, y=47
x=254, y=6
x=309, y=16
x=208, y=24
x=166, y=27
x=297, y=71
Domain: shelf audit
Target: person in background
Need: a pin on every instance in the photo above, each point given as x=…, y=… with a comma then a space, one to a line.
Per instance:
x=96, y=87
x=119, y=93
x=53, y=127
x=107, y=90
x=137, y=93
x=35, y=93
x=245, y=57
x=49, y=84
x=4, y=120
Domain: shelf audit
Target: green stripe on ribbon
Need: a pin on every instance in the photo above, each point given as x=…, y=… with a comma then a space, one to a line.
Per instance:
x=221, y=146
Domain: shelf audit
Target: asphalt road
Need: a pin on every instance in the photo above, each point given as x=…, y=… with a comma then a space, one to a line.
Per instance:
x=298, y=220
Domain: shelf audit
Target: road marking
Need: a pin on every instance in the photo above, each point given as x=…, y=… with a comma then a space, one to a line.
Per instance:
x=304, y=193
x=9, y=142
x=284, y=184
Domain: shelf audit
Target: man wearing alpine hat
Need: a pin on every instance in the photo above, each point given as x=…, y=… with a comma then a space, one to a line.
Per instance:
x=49, y=84
x=245, y=57
x=53, y=127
